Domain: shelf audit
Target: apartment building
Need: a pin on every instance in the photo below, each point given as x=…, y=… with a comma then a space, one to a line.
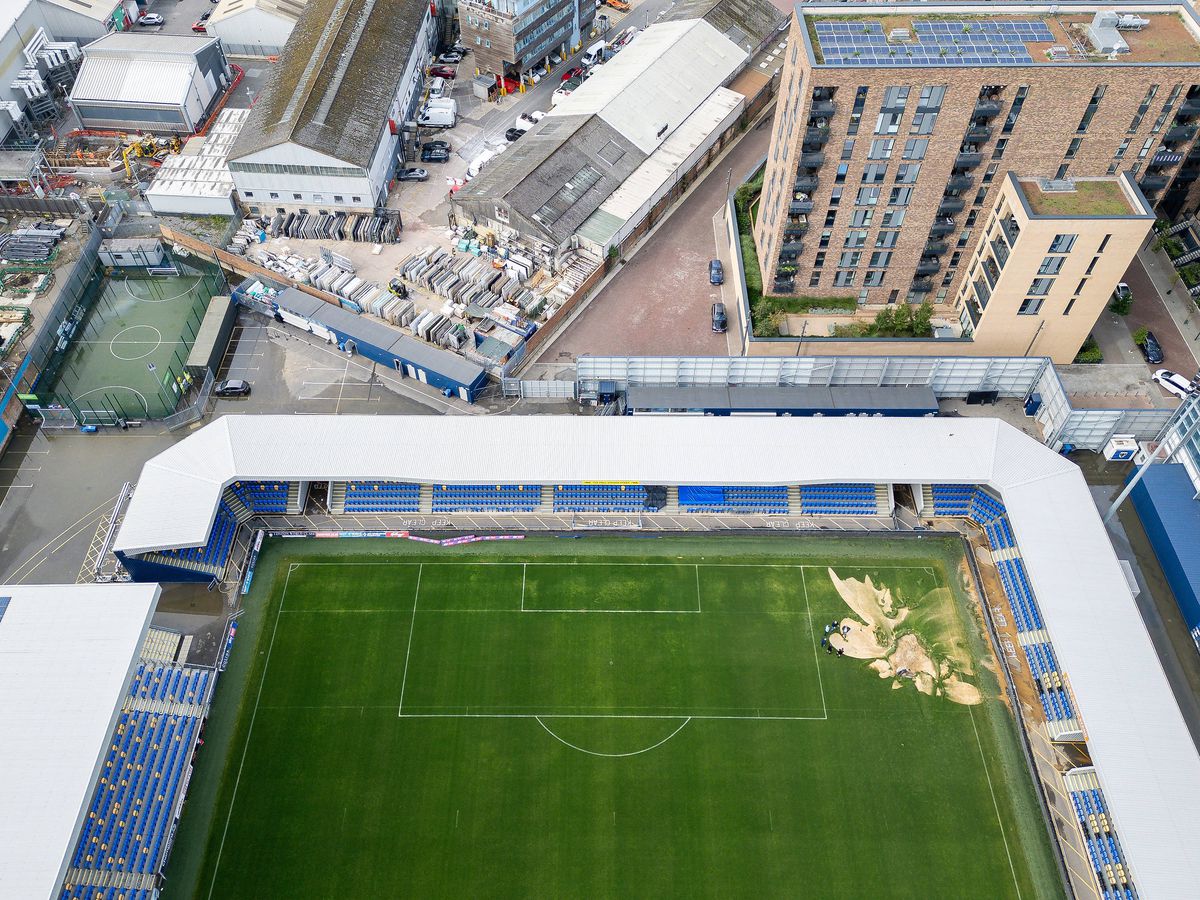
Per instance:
x=898, y=126
x=512, y=37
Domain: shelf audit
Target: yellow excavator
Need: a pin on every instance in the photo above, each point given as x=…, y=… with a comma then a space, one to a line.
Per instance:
x=145, y=146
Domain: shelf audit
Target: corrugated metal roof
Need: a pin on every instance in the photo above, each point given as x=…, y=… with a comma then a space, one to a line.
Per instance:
x=143, y=45
x=657, y=81
x=332, y=88
x=289, y=10
x=66, y=656
x=203, y=171
x=100, y=10
x=742, y=21
x=1146, y=762
x=135, y=81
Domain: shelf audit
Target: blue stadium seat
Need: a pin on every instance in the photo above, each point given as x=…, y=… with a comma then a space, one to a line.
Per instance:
x=262, y=496
x=734, y=499
x=599, y=498
x=382, y=497
x=510, y=498
x=840, y=499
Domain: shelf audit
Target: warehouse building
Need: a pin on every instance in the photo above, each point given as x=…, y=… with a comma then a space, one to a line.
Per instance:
x=324, y=134
x=85, y=20
x=645, y=115
x=511, y=37
x=196, y=181
x=165, y=84
x=255, y=27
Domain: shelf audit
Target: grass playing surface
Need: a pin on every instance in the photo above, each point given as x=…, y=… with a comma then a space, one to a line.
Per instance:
x=600, y=718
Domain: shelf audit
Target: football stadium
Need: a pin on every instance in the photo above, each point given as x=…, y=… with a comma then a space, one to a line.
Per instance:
x=605, y=656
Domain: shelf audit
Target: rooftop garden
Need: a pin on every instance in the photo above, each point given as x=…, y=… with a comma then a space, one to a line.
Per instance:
x=1090, y=198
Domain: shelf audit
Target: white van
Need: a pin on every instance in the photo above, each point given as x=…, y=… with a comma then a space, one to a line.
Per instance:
x=595, y=54
x=437, y=88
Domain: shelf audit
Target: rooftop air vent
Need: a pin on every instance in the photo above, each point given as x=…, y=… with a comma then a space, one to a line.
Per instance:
x=899, y=36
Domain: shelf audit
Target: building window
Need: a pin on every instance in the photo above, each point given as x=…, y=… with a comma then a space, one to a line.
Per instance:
x=843, y=279
x=907, y=173
x=1093, y=105
x=814, y=279
x=1051, y=265
x=1040, y=287
x=1092, y=265
x=856, y=238
x=914, y=148
x=835, y=197
x=980, y=196
x=825, y=235
x=830, y=218
x=874, y=173
x=248, y=194
x=1079, y=287
x=842, y=170
x=892, y=218
x=1073, y=148
x=848, y=149
x=881, y=259
x=1010, y=121
x=1103, y=244
x=964, y=237
x=338, y=198
x=356, y=199
x=1062, y=243
x=971, y=218
x=1121, y=149
x=297, y=197
x=900, y=196
x=861, y=218
x=881, y=148
x=1062, y=171
x=819, y=260
x=867, y=196
x=1146, y=148
x=856, y=111
x=874, y=279
x=317, y=198
x=274, y=196
x=990, y=175
x=887, y=239
x=1070, y=303
x=998, y=150
x=1030, y=306
x=1141, y=113
x=1112, y=168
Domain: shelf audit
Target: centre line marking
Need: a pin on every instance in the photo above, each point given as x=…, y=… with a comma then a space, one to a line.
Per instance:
x=411, y=628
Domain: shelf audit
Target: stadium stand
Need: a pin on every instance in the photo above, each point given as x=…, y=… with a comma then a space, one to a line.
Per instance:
x=128, y=822
x=1055, y=700
x=377, y=497
x=769, y=500
x=599, y=498
x=486, y=497
x=1104, y=851
x=838, y=499
x=98, y=892
x=262, y=496
x=212, y=557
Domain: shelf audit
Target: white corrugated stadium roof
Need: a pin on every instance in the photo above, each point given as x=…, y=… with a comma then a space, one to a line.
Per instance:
x=656, y=80
x=1146, y=762
x=66, y=654
x=111, y=79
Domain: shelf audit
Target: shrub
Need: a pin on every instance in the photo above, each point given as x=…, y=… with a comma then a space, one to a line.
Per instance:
x=1089, y=352
x=1121, y=304
x=1139, y=336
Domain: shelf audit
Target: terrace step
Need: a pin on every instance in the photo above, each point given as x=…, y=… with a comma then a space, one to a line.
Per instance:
x=241, y=511
x=425, y=504
x=1036, y=636
x=337, y=497
x=293, y=498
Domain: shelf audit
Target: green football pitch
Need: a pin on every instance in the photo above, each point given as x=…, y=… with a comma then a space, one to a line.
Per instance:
x=610, y=717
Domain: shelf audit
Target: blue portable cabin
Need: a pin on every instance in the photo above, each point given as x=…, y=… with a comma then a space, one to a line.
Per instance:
x=385, y=344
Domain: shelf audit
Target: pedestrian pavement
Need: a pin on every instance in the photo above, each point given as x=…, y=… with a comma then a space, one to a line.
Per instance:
x=1175, y=297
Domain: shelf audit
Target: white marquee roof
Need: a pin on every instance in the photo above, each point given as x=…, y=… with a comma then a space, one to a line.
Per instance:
x=66, y=654
x=1147, y=764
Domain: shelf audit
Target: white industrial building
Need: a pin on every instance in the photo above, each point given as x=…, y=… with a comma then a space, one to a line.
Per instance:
x=165, y=84
x=67, y=654
x=196, y=181
x=255, y=27
x=33, y=62
x=324, y=134
x=622, y=139
x=86, y=20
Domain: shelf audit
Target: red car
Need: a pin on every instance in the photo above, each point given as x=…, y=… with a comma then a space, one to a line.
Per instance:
x=442, y=71
x=571, y=73
x=199, y=26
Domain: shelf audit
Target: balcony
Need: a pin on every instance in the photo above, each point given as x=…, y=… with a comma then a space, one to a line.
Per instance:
x=1000, y=249
x=936, y=248
x=950, y=206
x=941, y=228
x=822, y=109
x=968, y=160
x=792, y=249
x=812, y=160
x=990, y=271
x=805, y=183
x=922, y=285
x=785, y=284
x=1189, y=108
x=983, y=293
x=1011, y=230
x=1187, y=175
x=815, y=137
x=973, y=313
x=960, y=182
x=1152, y=184
x=987, y=109
x=928, y=267
x=977, y=134
x=1180, y=134
x=800, y=207
x=794, y=231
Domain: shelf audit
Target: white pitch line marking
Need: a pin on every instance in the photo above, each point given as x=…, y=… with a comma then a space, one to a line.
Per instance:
x=411, y=628
x=614, y=755
x=995, y=804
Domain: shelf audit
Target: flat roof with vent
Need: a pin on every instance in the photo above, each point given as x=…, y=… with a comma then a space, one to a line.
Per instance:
x=1077, y=197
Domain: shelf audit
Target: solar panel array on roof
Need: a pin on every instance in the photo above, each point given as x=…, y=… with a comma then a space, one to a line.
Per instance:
x=935, y=43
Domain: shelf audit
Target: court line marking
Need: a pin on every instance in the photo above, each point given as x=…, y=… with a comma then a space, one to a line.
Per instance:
x=411, y=628
x=485, y=562
x=697, y=567
x=212, y=885
x=812, y=634
x=524, y=570
x=614, y=755
x=689, y=612
x=545, y=715
x=995, y=805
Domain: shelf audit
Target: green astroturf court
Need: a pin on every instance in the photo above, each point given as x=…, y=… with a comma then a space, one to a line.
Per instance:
x=130, y=349
x=608, y=717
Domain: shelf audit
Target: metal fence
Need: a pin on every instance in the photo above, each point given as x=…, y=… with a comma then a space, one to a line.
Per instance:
x=538, y=390
x=197, y=409
x=82, y=279
x=51, y=206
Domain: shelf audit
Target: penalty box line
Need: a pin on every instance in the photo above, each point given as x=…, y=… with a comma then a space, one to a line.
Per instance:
x=552, y=715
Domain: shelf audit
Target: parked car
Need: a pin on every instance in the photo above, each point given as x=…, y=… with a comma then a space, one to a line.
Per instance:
x=1122, y=290
x=572, y=72
x=716, y=272
x=1173, y=383
x=438, y=144
x=204, y=17
x=438, y=88
x=443, y=72
x=618, y=5
x=720, y=321
x=434, y=155
x=1151, y=349
x=451, y=57
x=232, y=387
x=514, y=134
x=199, y=26
x=412, y=175
x=532, y=117
x=151, y=19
